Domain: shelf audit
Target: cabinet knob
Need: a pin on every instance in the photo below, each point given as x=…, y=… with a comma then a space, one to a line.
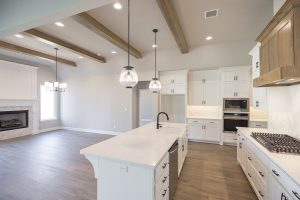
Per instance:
x=274, y=172
x=165, y=192
x=164, y=180
x=261, y=174
x=260, y=193
x=164, y=166
x=296, y=194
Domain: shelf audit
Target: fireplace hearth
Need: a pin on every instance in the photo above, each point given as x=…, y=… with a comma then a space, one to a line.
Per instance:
x=10, y=120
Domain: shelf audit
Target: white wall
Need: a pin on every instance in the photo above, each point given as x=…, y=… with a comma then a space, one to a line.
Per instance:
x=277, y=5
x=284, y=109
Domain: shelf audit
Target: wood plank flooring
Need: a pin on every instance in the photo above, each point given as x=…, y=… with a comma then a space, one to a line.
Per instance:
x=48, y=166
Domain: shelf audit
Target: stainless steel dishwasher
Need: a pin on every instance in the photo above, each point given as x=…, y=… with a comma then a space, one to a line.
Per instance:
x=173, y=167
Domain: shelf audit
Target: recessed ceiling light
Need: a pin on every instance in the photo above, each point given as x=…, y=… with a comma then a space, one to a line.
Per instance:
x=292, y=79
x=117, y=6
x=209, y=38
x=80, y=57
x=19, y=36
x=59, y=24
x=114, y=52
x=154, y=46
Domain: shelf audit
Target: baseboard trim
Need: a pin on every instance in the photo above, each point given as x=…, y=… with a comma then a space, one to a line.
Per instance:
x=48, y=130
x=91, y=131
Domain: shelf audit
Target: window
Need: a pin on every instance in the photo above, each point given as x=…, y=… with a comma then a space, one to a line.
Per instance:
x=48, y=104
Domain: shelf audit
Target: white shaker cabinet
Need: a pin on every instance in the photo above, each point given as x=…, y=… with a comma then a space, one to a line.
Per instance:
x=236, y=82
x=255, y=61
x=173, y=82
x=259, y=99
x=205, y=88
x=204, y=130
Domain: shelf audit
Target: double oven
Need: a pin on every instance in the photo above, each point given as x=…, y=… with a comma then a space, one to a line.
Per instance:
x=236, y=114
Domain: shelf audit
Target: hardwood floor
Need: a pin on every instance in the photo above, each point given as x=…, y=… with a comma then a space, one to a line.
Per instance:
x=48, y=166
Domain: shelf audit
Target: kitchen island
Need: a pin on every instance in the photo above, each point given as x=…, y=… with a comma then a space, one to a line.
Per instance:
x=135, y=165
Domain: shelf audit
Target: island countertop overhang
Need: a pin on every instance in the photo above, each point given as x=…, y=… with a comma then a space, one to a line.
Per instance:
x=144, y=146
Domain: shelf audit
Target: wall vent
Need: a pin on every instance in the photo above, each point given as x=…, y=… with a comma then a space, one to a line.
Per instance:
x=211, y=13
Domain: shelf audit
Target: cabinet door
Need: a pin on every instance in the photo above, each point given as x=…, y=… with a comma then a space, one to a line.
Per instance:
x=230, y=89
x=230, y=76
x=179, y=79
x=196, y=131
x=264, y=58
x=243, y=75
x=285, y=45
x=259, y=98
x=167, y=89
x=212, y=133
x=243, y=89
x=273, y=52
x=196, y=93
x=212, y=91
x=276, y=191
x=179, y=89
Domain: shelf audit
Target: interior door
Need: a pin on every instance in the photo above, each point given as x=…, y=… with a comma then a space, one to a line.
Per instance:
x=145, y=107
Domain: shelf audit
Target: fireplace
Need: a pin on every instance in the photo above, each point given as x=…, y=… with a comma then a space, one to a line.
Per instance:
x=10, y=120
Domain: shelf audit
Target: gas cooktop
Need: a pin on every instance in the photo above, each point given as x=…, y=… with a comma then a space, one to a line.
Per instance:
x=278, y=143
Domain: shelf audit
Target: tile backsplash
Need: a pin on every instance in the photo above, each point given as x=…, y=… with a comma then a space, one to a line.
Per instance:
x=204, y=111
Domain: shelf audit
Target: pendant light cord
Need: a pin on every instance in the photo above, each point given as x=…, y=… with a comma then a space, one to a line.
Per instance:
x=56, y=49
x=155, y=47
x=128, y=44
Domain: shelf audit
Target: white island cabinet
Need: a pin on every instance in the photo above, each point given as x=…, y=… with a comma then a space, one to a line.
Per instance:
x=135, y=165
x=273, y=176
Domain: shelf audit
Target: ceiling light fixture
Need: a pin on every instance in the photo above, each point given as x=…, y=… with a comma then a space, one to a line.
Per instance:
x=56, y=86
x=59, y=24
x=154, y=46
x=209, y=38
x=19, y=36
x=113, y=52
x=117, y=6
x=80, y=57
x=128, y=76
x=155, y=84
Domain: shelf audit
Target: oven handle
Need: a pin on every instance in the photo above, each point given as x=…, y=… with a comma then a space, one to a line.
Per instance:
x=236, y=118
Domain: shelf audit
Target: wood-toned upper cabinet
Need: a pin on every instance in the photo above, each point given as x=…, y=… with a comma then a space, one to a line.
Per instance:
x=285, y=45
x=280, y=48
x=264, y=58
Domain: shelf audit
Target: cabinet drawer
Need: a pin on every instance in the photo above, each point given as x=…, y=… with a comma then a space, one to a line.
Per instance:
x=260, y=189
x=260, y=170
x=195, y=121
x=229, y=137
x=212, y=122
x=163, y=182
x=163, y=194
x=258, y=153
x=290, y=186
x=259, y=124
x=162, y=167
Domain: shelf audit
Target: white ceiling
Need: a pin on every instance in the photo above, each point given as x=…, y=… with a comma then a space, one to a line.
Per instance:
x=238, y=20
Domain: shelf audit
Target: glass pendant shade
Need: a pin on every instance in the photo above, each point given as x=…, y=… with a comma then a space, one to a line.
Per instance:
x=128, y=77
x=155, y=85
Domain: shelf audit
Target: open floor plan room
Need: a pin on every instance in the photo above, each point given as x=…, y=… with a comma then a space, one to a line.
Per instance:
x=149, y=100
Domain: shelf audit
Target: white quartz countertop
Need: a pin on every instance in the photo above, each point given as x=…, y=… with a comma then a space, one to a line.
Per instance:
x=143, y=146
x=289, y=163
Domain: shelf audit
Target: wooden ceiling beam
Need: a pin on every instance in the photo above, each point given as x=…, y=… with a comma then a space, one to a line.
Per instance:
x=30, y=52
x=95, y=26
x=74, y=48
x=169, y=12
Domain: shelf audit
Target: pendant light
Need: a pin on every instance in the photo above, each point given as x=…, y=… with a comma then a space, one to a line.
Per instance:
x=128, y=76
x=155, y=84
x=56, y=86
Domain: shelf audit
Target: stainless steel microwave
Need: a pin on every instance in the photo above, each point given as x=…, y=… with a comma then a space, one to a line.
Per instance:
x=236, y=105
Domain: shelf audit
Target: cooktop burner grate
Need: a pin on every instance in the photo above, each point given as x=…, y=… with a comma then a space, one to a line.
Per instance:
x=278, y=143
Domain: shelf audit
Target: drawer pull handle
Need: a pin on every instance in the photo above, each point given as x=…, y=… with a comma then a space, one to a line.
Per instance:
x=164, y=166
x=274, y=172
x=182, y=147
x=261, y=174
x=164, y=194
x=249, y=175
x=296, y=194
x=249, y=158
x=261, y=194
x=164, y=180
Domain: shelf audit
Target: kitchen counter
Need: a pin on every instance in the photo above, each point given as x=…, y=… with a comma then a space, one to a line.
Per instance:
x=289, y=163
x=142, y=146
